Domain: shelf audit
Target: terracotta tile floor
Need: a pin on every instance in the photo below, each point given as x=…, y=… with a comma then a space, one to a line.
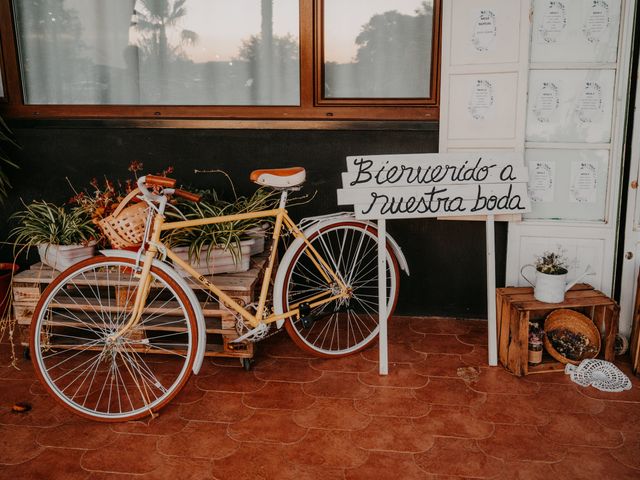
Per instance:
x=298, y=417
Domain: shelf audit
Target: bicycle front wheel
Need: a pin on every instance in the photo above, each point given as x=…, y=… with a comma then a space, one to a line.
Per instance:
x=97, y=376
x=346, y=325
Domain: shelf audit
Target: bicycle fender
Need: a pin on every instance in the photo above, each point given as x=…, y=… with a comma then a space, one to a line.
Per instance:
x=176, y=277
x=310, y=230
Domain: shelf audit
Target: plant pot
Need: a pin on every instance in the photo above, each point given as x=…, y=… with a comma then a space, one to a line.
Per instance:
x=61, y=257
x=6, y=273
x=217, y=261
x=257, y=234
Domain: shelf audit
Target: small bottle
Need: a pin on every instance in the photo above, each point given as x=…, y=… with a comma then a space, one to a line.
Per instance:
x=535, y=353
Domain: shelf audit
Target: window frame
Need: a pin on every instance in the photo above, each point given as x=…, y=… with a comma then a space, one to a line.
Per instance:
x=312, y=106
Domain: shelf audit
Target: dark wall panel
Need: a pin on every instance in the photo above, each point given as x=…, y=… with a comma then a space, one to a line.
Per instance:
x=446, y=258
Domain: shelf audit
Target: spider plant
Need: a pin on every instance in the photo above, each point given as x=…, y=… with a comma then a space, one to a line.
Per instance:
x=5, y=140
x=226, y=235
x=42, y=222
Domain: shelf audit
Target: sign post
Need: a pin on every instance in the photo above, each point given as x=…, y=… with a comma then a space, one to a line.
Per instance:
x=384, y=187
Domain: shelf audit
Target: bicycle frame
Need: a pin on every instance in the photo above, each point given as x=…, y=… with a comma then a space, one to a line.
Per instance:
x=282, y=219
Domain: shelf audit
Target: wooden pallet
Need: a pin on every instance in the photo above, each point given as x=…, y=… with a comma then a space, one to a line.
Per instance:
x=243, y=287
x=516, y=307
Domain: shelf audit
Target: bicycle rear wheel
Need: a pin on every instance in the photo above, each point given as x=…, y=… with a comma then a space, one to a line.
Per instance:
x=343, y=326
x=82, y=366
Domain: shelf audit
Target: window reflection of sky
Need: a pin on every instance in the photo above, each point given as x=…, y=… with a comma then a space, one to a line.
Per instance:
x=221, y=25
x=344, y=21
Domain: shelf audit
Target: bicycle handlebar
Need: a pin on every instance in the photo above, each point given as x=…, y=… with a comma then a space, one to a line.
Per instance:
x=166, y=182
x=157, y=180
x=193, y=197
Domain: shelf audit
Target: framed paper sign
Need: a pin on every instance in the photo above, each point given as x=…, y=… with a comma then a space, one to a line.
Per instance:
x=483, y=32
x=575, y=31
x=570, y=106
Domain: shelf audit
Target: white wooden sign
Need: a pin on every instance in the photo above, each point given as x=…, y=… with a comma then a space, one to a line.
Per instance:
x=384, y=187
x=435, y=185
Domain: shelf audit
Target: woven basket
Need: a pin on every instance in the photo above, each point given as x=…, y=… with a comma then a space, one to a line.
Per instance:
x=574, y=322
x=125, y=226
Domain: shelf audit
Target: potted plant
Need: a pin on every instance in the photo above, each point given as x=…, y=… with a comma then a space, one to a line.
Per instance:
x=219, y=247
x=62, y=235
x=536, y=335
x=551, y=277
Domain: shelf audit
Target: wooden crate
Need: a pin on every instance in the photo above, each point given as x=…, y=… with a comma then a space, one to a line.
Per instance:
x=243, y=287
x=516, y=306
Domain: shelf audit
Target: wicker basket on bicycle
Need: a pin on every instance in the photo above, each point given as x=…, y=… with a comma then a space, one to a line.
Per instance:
x=125, y=226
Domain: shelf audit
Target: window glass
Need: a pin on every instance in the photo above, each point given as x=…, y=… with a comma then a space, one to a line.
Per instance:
x=159, y=52
x=377, y=48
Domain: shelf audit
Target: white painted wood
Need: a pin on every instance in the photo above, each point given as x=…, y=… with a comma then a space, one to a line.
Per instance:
x=382, y=297
x=500, y=65
x=592, y=238
x=386, y=186
x=491, y=291
x=631, y=250
x=502, y=126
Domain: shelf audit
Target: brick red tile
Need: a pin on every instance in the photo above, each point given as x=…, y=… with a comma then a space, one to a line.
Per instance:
x=447, y=325
x=579, y=429
x=392, y=435
x=521, y=443
x=127, y=453
x=565, y=398
x=350, y=363
x=462, y=458
x=80, y=434
x=50, y=464
x=235, y=380
x=509, y=409
x=167, y=422
x=326, y=448
x=18, y=444
x=392, y=402
x=279, y=395
x=216, y=407
x=475, y=336
x=498, y=380
x=439, y=365
x=199, y=440
x=338, y=385
x=332, y=414
x=397, y=353
x=274, y=426
x=286, y=370
x=593, y=463
x=438, y=343
x=449, y=391
x=267, y=461
x=623, y=416
x=450, y=421
x=399, y=375
x=387, y=466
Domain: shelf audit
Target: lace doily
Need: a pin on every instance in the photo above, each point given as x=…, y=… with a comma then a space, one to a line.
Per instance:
x=600, y=374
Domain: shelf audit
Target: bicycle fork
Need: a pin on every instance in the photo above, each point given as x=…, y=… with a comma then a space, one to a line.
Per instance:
x=144, y=284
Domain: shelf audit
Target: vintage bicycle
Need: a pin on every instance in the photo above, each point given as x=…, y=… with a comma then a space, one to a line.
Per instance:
x=115, y=337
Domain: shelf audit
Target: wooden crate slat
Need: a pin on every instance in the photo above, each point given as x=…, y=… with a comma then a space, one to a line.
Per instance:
x=220, y=321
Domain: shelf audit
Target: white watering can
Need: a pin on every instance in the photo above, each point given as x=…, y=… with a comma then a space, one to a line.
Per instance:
x=551, y=288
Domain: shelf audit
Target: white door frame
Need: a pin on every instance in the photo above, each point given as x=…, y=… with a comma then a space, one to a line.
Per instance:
x=631, y=250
